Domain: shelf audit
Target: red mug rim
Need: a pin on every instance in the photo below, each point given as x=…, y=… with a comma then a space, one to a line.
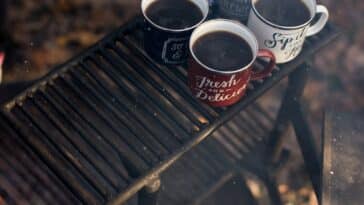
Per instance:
x=236, y=23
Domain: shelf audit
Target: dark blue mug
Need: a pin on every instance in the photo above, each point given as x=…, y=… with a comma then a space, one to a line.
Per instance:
x=234, y=9
x=166, y=45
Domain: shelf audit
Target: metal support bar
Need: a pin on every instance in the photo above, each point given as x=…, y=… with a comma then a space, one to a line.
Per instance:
x=294, y=92
x=282, y=162
x=296, y=85
x=302, y=129
x=149, y=194
x=269, y=180
x=306, y=141
x=273, y=192
x=292, y=110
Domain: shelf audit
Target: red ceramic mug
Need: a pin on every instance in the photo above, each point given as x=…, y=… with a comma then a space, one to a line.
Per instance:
x=220, y=88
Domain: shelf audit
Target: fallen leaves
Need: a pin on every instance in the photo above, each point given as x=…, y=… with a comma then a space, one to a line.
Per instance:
x=50, y=32
x=81, y=38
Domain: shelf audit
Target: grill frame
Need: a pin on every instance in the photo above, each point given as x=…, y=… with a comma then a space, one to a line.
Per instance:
x=25, y=163
x=217, y=117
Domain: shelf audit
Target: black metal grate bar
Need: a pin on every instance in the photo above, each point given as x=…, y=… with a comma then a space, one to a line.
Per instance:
x=114, y=106
x=123, y=115
x=131, y=111
x=24, y=178
x=172, y=89
x=72, y=148
x=100, y=121
x=112, y=119
x=160, y=86
x=166, y=107
x=194, y=182
x=176, y=80
x=68, y=165
x=109, y=154
x=158, y=117
x=80, y=142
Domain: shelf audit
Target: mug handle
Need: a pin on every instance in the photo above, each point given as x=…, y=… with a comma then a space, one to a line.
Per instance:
x=320, y=24
x=268, y=69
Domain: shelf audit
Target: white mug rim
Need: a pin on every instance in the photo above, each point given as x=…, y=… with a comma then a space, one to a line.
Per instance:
x=313, y=14
x=205, y=14
x=242, y=26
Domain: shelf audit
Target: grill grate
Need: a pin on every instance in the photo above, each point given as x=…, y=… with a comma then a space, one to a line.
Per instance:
x=114, y=109
x=230, y=146
x=24, y=178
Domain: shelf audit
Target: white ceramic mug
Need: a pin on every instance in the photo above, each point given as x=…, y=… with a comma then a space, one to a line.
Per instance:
x=286, y=42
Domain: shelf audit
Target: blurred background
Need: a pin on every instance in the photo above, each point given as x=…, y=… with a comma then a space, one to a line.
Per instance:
x=46, y=33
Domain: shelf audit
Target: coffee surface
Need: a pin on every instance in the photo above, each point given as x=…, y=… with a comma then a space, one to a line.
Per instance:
x=223, y=51
x=174, y=14
x=284, y=12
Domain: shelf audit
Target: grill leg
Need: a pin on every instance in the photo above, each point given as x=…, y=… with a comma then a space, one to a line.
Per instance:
x=296, y=85
x=304, y=133
x=292, y=111
x=149, y=194
x=306, y=140
x=273, y=191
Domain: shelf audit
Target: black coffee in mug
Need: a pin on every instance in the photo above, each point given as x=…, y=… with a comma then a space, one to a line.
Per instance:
x=284, y=12
x=168, y=27
x=174, y=14
x=223, y=51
